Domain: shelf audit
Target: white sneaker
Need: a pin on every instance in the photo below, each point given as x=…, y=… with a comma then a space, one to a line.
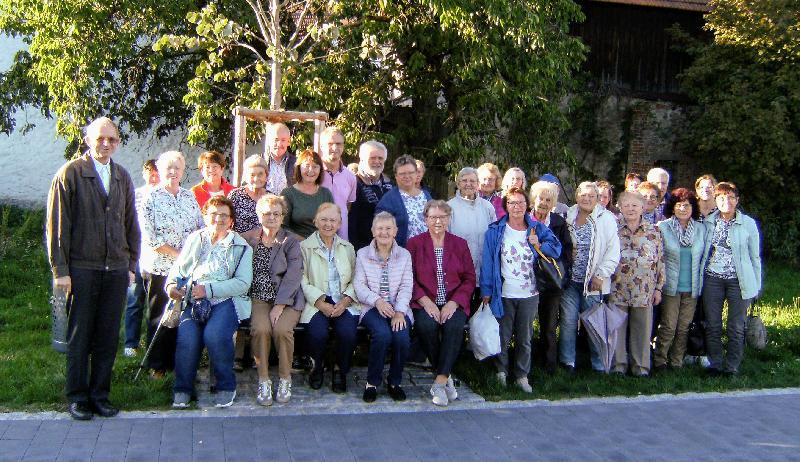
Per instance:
x=225, y=398
x=129, y=352
x=450, y=389
x=264, y=396
x=523, y=384
x=284, y=391
x=704, y=362
x=439, y=394
x=501, y=377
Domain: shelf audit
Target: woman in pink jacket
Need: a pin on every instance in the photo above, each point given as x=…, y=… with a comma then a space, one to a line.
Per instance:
x=383, y=283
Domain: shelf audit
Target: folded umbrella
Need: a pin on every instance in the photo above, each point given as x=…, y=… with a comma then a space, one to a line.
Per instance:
x=165, y=316
x=603, y=322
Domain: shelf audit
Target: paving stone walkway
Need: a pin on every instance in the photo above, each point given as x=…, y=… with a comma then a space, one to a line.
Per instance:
x=749, y=426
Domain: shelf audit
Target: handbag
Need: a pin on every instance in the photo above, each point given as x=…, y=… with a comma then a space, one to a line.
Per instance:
x=201, y=308
x=550, y=272
x=696, y=339
x=755, y=331
x=484, y=333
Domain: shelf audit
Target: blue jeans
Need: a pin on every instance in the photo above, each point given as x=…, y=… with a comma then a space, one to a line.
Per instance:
x=133, y=313
x=344, y=327
x=217, y=336
x=573, y=302
x=381, y=337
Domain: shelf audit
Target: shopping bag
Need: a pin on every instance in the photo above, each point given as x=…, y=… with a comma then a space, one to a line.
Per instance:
x=484, y=333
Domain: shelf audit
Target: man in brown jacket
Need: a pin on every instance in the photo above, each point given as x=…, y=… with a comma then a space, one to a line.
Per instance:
x=93, y=245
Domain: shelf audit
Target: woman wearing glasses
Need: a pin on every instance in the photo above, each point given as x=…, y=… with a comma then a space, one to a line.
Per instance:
x=406, y=202
x=444, y=280
x=276, y=295
x=508, y=281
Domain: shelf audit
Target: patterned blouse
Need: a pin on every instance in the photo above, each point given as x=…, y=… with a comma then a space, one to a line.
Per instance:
x=516, y=265
x=580, y=252
x=166, y=220
x=414, y=207
x=263, y=288
x=441, y=292
x=641, y=265
x=334, y=278
x=721, y=262
x=245, y=208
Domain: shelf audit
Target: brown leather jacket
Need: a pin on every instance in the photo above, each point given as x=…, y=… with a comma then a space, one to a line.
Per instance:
x=85, y=227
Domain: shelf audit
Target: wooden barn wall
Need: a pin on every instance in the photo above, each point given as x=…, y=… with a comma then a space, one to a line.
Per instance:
x=630, y=47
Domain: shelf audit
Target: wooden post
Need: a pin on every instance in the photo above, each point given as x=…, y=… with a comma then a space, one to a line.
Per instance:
x=242, y=114
x=239, y=144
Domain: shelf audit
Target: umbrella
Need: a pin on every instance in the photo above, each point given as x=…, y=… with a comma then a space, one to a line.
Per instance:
x=602, y=322
x=181, y=282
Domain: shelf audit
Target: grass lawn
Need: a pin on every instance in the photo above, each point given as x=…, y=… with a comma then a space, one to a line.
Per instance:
x=32, y=373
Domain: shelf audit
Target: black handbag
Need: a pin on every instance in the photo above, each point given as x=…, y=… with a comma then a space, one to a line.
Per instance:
x=696, y=339
x=550, y=273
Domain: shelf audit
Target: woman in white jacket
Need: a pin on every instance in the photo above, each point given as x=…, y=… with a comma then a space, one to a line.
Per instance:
x=595, y=255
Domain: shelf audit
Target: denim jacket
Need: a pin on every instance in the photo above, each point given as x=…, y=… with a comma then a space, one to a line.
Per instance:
x=745, y=241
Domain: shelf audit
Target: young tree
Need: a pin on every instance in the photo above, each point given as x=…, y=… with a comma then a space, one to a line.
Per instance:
x=746, y=125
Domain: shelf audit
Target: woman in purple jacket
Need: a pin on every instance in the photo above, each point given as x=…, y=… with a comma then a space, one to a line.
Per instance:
x=383, y=283
x=444, y=279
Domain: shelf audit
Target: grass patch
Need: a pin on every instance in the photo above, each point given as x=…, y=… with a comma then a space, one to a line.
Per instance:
x=32, y=373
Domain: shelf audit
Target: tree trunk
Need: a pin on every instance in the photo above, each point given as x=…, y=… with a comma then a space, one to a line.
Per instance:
x=276, y=98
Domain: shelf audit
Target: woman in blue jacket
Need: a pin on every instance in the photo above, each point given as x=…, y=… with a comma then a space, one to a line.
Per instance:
x=508, y=280
x=732, y=273
x=405, y=202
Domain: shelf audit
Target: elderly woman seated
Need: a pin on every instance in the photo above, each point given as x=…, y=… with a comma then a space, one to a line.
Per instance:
x=444, y=280
x=219, y=265
x=276, y=295
x=383, y=283
x=328, y=266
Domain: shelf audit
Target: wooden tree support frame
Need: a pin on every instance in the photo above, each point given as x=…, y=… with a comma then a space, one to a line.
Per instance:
x=242, y=114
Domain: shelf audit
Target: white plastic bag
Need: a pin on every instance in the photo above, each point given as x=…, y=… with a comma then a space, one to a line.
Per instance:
x=484, y=333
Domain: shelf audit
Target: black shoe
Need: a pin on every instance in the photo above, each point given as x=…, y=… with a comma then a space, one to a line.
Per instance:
x=104, y=408
x=237, y=365
x=396, y=392
x=570, y=370
x=713, y=372
x=370, y=394
x=315, y=378
x=80, y=411
x=339, y=382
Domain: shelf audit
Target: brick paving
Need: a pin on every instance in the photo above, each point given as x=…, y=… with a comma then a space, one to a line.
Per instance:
x=746, y=426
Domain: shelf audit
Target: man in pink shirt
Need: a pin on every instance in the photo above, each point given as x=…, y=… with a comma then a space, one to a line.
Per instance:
x=336, y=177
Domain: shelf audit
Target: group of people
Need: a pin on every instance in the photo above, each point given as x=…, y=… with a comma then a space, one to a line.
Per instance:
x=307, y=241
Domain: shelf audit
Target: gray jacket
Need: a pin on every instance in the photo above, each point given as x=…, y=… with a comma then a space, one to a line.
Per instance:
x=286, y=267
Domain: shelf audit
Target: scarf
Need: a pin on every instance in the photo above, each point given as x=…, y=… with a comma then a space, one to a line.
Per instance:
x=685, y=236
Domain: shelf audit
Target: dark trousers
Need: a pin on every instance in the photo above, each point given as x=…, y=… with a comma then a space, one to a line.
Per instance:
x=517, y=322
x=344, y=327
x=381, y=338
x=715, y=292
x=162, y=355
x=549, y=302
x=98, y=298
x=133, y=313
x=442, y=343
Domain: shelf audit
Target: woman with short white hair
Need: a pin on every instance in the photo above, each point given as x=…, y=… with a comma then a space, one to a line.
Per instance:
x=471, y=217
x=166, y=217
x=489, y=183
x=384, y=282
x=245, y=198
x=514, y=178
x=595, y=255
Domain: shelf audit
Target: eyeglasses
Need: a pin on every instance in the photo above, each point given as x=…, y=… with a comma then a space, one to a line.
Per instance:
x=107, y=139
x=405, y=174
x=650, y=197
x=271, y=214
x=515, y=203
x=223, y=216
x=436, y=218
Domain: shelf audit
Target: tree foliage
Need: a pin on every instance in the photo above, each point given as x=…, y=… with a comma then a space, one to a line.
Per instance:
x=746, y=125
x=451, y=81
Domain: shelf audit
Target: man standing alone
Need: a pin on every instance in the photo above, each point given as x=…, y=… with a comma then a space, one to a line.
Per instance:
x=93, y=246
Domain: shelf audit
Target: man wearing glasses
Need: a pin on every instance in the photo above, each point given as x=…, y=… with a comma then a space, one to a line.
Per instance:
x=93, y=245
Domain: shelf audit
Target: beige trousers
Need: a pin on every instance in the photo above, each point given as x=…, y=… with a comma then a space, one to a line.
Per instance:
x=677, y=312
x=262, y=333
x=633, y=341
